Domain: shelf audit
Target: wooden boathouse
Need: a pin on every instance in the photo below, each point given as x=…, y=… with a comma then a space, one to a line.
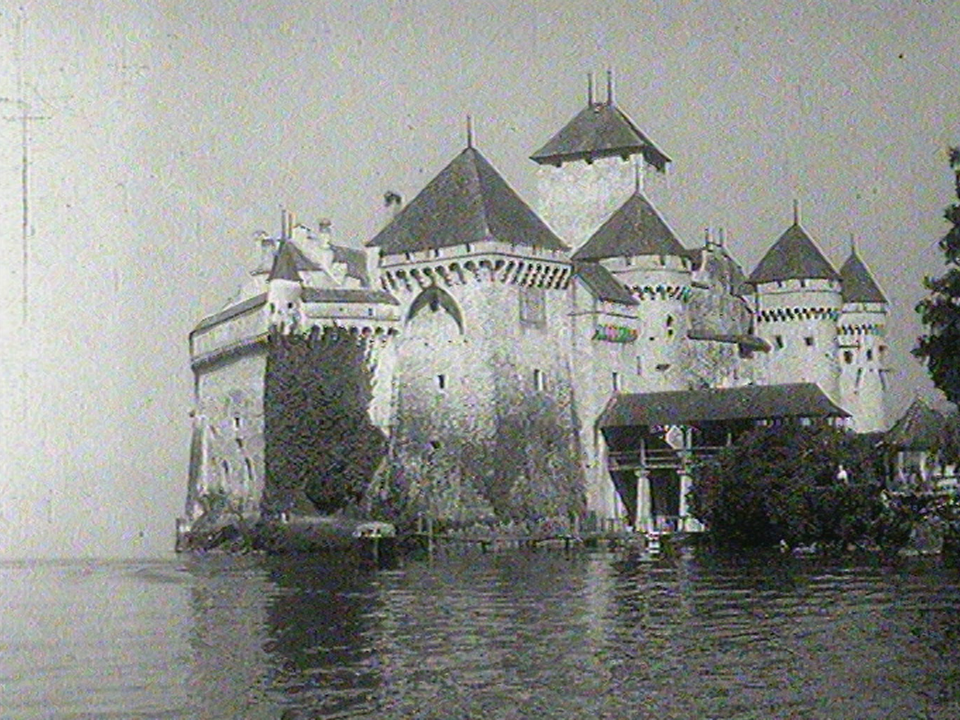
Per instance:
x=654, y=440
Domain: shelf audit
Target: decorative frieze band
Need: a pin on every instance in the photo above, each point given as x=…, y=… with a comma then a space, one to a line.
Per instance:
x=800, y=313
x=501, y=270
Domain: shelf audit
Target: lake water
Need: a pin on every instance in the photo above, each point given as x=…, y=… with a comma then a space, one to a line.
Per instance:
x=518, y=635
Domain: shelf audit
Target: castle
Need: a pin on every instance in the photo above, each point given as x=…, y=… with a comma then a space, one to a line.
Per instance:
x=568, y=360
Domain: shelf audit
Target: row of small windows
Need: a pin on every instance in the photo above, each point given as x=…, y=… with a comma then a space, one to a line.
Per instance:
x=539, y=377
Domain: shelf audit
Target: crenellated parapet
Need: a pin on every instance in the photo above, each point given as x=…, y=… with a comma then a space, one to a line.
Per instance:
x=680, y=293
x=478, y=270
x=786, y=314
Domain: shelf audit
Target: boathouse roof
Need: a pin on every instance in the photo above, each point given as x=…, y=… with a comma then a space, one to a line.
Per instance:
x=751, y=402
x=921, y=427
x=467, y=202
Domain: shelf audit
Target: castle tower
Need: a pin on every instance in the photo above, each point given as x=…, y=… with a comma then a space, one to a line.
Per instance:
x=797, y=305
x=285, y=291
x=862, y=346
x=591, y=167
x=641, y=251
x=483, y=401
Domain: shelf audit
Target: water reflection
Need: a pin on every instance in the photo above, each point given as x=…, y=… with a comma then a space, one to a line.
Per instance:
x=518, y=635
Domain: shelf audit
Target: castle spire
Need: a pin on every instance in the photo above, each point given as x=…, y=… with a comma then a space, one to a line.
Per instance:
x=609, y=86
x=469, y=132
x=589, y=89
x=796, y=211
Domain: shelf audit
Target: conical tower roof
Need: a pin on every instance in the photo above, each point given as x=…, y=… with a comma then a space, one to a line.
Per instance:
x=858, y=283
x=467, y=202
x=921, y=427
x=636, y=228
x=599, y=130
x=285, y=264
x=793, y=257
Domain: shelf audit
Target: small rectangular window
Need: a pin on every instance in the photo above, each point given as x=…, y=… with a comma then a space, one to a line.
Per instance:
x=533, y=307
x=848, y=356
x=442, y=382
x=808, y=341
x=869, y=354
x=538, y=380
x=778, y=341
x=639, y=365
x=616, y=382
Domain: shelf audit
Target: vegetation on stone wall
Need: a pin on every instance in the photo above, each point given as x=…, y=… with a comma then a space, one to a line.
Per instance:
x=940, y=311
x=520, y=465
x=784, y=484
x=322, y=449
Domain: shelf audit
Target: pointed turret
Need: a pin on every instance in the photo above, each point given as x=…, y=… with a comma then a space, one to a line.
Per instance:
x=590, y=167
x=285, y=289
x=863, y=329
x=634, y=230
x=467, y=202
x=858, y=283
x=794, y=256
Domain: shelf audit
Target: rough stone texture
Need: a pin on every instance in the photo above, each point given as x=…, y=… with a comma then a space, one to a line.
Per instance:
x=228, y=422
x=793, y=313
x=577, y=197
x=862, y=342
x=475, y=436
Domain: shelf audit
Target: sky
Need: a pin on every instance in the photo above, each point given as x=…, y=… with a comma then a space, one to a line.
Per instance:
x=163, y=136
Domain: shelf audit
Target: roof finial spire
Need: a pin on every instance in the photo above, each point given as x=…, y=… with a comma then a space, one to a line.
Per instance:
x=469, y=131
x=796, y=211
x=853, y=244
x=637, y=177
x=589, y=89
x=609, y=86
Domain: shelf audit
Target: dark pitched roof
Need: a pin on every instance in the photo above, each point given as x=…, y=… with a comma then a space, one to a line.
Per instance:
x=858, y=283
x=636, y=228
x=921, y=427
x=794, y=256
x=347, y=295
x=602, y=284
x=285, y=264
x=353, y=258
x=745, y=341
x=251, y=303
x=599, y=130
x=752, y=402
x=467, y=202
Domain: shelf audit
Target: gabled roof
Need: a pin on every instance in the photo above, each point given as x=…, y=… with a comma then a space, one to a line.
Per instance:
x=467, y=202
x=353, y=258
x=858, y=283
x=599, y=130
x=602, y=284
x=252, y=303
x=921, y=427
x=636, y=228
x=793, y=257
x=347, y=296
x=751, y=402
x=285, y=264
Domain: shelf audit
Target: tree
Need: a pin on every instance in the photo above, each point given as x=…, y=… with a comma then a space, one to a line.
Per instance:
x=940, y=311
x=782, y=484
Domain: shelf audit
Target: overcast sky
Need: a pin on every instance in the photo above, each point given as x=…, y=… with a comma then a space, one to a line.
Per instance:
x=165, y=137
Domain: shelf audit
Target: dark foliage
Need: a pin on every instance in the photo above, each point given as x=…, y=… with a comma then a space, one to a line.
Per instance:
x=781, y=484
x=321, y=447
x=940, y=310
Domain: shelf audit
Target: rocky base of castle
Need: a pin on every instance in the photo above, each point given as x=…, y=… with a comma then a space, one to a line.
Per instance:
x=368, y=540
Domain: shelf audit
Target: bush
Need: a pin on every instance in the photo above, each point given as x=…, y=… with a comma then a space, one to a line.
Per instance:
x=781, y=484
